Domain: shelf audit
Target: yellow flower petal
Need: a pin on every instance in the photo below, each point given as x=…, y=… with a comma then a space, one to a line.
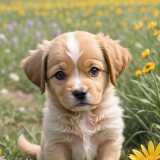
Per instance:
x=157, y=158
x=138, y=154
x=157, y=151
x=144, y=150
x=133, y=157
x=151, y=148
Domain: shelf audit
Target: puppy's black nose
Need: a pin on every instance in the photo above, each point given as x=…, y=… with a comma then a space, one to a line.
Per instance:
x=80, y=95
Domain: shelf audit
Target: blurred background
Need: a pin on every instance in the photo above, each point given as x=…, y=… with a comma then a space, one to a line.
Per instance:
x=24, y=24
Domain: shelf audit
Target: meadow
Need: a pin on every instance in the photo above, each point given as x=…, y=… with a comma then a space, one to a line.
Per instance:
x=24, y=24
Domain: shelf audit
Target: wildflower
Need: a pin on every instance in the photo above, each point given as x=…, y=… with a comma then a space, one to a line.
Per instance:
x=68, y=20
x=123, y=23
x=98, y=24
x=150, y=154
x=38, y=35
x=54, y=25
x=152, y=25
x=15, y=41
x=58, y=31
x=29, y=22
x=14, y=77
x=149, y=67
x=22, y=109
x=118, y=11
x=4, y=25
x=4, y=91
x=7, y=51
x=3, y=38
x=3, y=71
x=156, y=32
x=99, y=13
x=138, y=26
x=25, y=31
x=84, y=22
x=10, y=28
x=145, y=53
x=155, y=13
x=21, y=13
x=138, y=73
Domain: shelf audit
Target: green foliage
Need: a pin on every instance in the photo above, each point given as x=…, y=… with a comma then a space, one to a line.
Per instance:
x=24, y=24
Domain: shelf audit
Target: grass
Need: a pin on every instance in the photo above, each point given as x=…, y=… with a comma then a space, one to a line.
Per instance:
x=25, y=24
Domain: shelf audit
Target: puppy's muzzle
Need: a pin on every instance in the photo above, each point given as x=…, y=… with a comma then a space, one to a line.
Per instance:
x=80, y=94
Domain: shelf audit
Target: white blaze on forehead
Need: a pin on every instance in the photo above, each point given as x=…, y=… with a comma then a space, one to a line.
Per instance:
x=73, y=47
x=74, y=53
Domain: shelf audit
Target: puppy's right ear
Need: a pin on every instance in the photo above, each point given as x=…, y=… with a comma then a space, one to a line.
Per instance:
x=34, y=65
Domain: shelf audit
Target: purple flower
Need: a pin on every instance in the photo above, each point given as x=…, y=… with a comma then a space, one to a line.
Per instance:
x=10, y=68
x=10, y=28
x=15, y=41
x=58, y=32
x=38, y=35
x=14, y=24
x=3, y=71
x=25, y=31
x=29, y=23
x=54, y=25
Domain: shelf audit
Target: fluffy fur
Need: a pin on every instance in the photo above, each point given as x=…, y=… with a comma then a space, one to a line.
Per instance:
x=76, y=128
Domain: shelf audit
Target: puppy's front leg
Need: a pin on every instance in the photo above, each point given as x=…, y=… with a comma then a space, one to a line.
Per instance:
x=110, y=150
x=57, y=152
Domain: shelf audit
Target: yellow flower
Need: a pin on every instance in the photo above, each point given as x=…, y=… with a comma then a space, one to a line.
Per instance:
x=68, y=20
x=139, y=26
x=123, y=24
x=84, y=22
x=138, y=73
x=118, y=11
x=149, y=67
x=145, y=53
x=5, y=25
x=21, y=13
x=0, y=152
x=98, y=24
x=156, y=32
x=150, y=154
x=152, y=25
x=99, y=13
x=155, y=13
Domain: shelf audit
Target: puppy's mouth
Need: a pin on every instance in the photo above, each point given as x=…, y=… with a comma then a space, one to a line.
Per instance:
x=82, y=104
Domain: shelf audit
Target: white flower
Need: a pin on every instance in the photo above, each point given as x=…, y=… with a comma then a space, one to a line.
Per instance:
x=3, y=38
x=22, y=109
x=4, y=91
x=7, y=51
x=14, y=77
x=138, y=45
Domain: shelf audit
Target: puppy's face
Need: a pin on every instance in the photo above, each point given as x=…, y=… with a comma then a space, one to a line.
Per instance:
x=78, y=73
x=77, y=68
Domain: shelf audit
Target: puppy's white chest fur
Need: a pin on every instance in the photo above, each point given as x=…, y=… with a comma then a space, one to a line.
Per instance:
x=84, y=146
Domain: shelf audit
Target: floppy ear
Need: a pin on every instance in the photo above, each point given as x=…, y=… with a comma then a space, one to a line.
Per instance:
x=34, y=66
x=117, y=57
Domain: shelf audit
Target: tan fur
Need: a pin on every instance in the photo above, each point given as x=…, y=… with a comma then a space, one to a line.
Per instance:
x=28, y=148
x=73, y=132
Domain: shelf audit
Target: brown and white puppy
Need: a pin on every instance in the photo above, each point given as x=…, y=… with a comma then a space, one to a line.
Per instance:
x=82, y=116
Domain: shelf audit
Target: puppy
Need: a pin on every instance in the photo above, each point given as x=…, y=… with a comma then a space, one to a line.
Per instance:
x=82, y=116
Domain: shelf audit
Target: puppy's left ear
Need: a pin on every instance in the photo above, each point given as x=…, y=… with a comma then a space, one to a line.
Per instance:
x=117, y=57
x=34, y=66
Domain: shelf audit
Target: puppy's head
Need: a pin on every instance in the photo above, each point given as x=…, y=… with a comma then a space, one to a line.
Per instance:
x=77, y=68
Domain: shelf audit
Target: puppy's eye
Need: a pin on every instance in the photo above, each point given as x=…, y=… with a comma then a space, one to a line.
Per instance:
x=60, y=75
x=94, y=71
